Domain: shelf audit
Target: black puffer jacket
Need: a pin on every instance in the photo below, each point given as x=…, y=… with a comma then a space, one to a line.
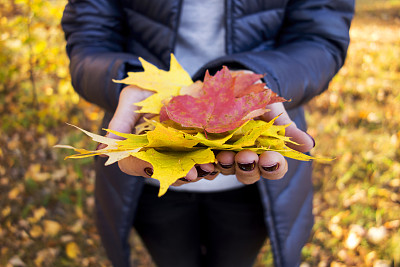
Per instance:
x=299, y=44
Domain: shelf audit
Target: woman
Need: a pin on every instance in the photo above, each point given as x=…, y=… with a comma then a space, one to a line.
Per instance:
x=207, y=219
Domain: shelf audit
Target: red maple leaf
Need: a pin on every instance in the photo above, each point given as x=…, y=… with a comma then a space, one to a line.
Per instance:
x=225, y=102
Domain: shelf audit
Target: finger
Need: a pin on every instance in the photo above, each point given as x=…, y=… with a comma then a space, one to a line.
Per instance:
x=204, y=170
x=190, y=177
x=182, y=181
x=305, y=141
x=136, y=167
x=207, y=171
x=272, y=165
x=101, y=146
x=246, y=168
x=211, y=177
x=179, y=182
x=125, y=117
x=197, y=173
x=226, y=162
x=213, y=174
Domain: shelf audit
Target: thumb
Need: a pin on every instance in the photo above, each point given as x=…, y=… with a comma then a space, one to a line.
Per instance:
x=305, y=141
x=125, y=117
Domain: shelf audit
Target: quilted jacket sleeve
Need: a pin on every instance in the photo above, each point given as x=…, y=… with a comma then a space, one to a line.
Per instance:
x=94, y=31
x=311, y=48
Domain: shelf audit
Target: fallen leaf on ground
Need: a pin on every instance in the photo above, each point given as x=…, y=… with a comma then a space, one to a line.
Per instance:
x=51, y=228
x=72, y=250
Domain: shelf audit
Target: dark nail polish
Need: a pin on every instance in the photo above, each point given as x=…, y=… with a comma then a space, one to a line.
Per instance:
x=271, y=168
x=226, y=166
x=201, y=172
x=312, y=139
x=247, y=166
x=184, y=180
x=143, y=132
x=148, y=171
x=213, y=173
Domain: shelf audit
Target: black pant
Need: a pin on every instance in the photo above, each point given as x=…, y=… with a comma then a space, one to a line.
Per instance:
x=180, y=229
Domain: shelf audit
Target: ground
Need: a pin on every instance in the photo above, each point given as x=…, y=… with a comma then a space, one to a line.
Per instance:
x=46, y=203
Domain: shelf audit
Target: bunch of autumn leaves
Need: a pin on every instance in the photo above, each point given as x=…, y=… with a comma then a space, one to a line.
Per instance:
x=194, y=120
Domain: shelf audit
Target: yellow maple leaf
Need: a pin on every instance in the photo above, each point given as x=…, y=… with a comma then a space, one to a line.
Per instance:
x=270, y=142
x=173, y=150
x=115, y=150
x=211, y=140
x=169, y=166
x=252, y=131
x=294, y=154
x=165, y=84
x=167, y=137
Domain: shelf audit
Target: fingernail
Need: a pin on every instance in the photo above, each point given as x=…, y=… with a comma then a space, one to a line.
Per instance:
x=312, y=139
x=201, y=172
x=271, y=168
x=247, y=166
x=213, y=173
x=98, y=146
x=225, y=166
x=143, y=132
x=184, y=179
x=148, y=171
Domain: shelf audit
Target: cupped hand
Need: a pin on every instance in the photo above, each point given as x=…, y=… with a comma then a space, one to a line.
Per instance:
x=248, y=166
x=125, y=119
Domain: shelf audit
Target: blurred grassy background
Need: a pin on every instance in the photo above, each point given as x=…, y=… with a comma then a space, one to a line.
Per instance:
x=46, y=203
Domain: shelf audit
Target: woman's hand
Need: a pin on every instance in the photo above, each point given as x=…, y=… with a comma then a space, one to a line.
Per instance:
x=125, y=119
x=248, y=166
